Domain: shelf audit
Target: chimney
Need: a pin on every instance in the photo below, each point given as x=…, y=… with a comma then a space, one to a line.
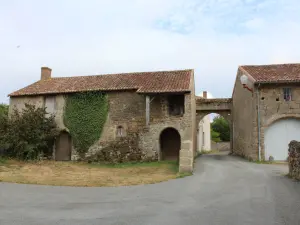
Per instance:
x=204, y=94
x=46, y=73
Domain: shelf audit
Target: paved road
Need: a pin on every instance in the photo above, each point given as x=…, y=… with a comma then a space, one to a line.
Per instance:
x=224, y=190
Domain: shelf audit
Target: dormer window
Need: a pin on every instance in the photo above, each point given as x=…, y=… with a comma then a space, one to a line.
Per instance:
x=287, y=94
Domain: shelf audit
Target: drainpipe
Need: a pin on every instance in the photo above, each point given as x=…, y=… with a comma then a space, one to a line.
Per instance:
x=258, y=123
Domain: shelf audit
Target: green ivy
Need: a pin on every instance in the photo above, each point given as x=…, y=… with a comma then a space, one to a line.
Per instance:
x=84, y=116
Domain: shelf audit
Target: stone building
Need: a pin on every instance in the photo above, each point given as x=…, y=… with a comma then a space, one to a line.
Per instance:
x=156, y=109
x=203, y=131
x=266, y=110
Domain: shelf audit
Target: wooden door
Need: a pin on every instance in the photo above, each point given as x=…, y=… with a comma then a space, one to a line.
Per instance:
x=63, y=147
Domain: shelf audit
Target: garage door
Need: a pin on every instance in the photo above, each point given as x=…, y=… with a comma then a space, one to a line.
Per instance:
x=277, y=137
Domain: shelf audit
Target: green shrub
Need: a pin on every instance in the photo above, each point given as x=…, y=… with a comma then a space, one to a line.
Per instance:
x=30, y=133
x=221, y=126
x=3, y=124
x=84, y=116
x=215, y=136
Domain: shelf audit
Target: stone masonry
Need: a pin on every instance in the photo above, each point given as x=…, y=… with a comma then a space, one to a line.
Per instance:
x=127, y=111
x=273, y=107
x=265, y=99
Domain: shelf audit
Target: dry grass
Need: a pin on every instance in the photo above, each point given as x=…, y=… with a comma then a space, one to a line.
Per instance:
x=89, y=175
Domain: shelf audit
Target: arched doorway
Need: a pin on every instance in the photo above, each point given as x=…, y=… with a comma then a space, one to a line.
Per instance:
x=213, y=132
x=277, y=137
x=63, y=147
x=170, y=144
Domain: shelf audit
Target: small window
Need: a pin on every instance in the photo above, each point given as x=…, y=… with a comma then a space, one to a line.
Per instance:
x=287, y=94
x=176, y=105
x=50, y=104
x=120, y=131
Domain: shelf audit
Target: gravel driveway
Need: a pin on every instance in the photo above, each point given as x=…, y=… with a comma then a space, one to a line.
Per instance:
x=224, y=190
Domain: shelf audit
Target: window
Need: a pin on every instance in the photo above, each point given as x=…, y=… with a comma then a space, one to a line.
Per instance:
x=50, y=104
x=203, y=138
x=176, y=105
x=287, y=94
x=120, y=131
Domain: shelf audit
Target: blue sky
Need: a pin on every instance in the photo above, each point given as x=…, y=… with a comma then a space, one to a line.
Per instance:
x=100, y=36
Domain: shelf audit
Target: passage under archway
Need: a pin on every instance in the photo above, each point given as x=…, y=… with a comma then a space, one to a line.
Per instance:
x=213, y=132
x=170, y=144
x=63, y=147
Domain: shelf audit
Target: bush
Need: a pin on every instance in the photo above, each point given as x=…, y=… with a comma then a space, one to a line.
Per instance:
x=120, y=151
x=30, y=134
x=3, y=126
x=221, y=126
x=215, y=136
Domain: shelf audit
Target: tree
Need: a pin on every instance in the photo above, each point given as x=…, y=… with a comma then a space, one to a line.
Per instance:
x=221, y=126
x=215, y=136
x=3, y=124
x=30, y=133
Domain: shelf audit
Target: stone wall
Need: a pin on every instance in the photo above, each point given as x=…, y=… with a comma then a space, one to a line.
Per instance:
x=273, y=107
x=220, y=146
x=19, y=102
x=149, y=136
x=294, y=160
x=244, y=121
x=127, y=110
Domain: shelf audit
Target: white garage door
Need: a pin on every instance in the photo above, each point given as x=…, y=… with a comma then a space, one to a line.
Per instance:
x=278, y=136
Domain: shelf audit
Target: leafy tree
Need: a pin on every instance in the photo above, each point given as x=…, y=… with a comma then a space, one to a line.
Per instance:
x=30, y=133
x=3, y=124
x=215, y=136
x=3, y=110
x=221, y=126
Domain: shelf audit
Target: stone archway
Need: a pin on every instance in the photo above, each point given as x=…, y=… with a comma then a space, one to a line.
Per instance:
x=221, y=106
x=170, y=144
x=63, y=147
x=199, y=118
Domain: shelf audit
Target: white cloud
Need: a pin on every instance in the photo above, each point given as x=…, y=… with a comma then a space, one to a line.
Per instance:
x=255, y=23
x=78, y=38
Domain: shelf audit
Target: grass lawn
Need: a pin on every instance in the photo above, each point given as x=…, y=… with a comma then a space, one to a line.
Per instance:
x=89, y=175
x=272, y=162
x=210, y=152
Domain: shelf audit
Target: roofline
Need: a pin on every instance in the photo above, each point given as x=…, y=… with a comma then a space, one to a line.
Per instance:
x=271, y=64
x=278, y=82
x=240, y=68
x=191, y=71
x=106, y=90
x=71, y=92
x=127, y=73
x=245, y=71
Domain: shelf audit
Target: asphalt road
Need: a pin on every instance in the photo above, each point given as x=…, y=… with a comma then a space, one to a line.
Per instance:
x=224, y=190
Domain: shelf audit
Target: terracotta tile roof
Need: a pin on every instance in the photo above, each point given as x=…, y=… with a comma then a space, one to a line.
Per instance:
x=143, y=82
x=280, y=73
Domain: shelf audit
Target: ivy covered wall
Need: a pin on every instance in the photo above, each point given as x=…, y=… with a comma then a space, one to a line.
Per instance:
x=85, y=115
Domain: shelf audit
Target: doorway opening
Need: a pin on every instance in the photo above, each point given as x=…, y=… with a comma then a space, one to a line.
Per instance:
x=170, y=144
x=63, y=147
x=213, y=134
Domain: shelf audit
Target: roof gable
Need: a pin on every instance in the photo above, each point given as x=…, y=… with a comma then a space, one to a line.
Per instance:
x=273, y=73
x=143, y=82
